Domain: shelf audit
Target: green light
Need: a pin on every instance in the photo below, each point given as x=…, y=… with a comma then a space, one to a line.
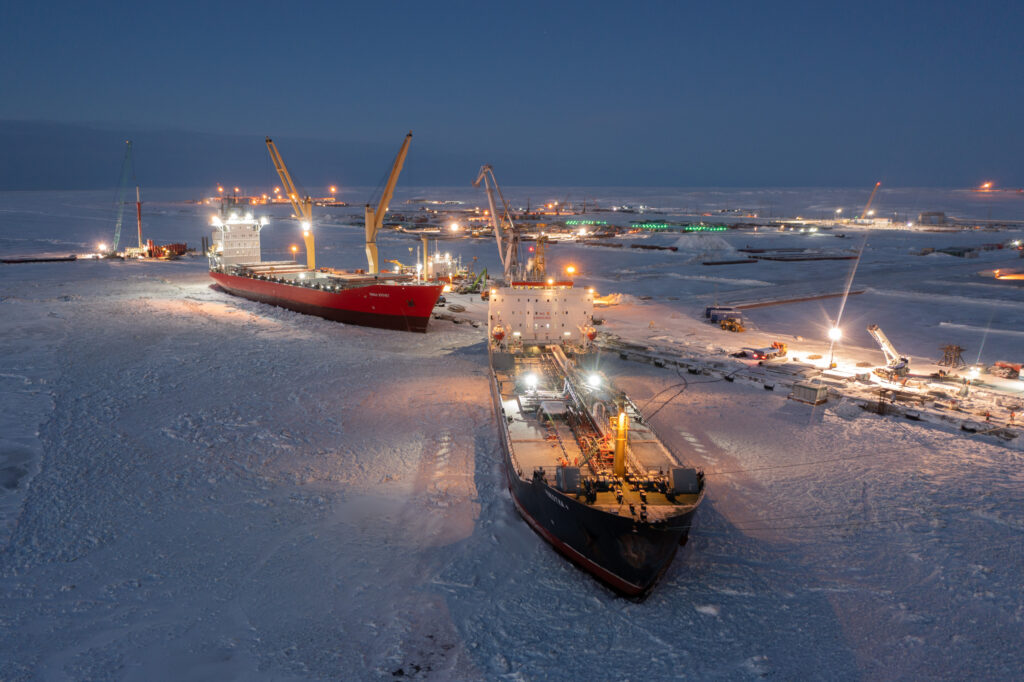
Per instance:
x=706, y=228
x=678, y=226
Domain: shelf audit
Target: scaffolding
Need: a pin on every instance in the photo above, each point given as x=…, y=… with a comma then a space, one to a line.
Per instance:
x=952, y=356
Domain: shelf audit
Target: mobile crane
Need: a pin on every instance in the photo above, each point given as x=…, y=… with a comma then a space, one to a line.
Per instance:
x=896, y=364
x=375, y=216
x=871, y=198
x=303, y=206
x=507, y=238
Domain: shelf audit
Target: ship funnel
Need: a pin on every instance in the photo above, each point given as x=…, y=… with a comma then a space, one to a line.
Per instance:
x=621, y=432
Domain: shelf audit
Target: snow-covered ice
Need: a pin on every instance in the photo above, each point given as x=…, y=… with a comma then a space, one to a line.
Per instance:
x=195, y=486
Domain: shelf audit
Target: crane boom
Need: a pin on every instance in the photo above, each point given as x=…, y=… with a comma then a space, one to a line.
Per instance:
x=127, y=167
x=303, y=206
x=508, y=240
x=871, y=198
x=893, y=359
x=375, y=216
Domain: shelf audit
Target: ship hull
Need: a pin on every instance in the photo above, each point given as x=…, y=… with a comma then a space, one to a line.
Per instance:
x=627, y=555
x=404, y=307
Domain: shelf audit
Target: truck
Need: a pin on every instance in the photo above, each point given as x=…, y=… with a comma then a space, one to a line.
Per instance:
x=776, y=350
x=715, y=314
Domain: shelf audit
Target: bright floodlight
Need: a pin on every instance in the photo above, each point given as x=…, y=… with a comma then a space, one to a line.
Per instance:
x=530, y=380
x=835, y=333
x=594, y=380
x=306, y=225
x=454, y=227
x=217, y=222
x=571, y=269
x=101, y=246
x=973, y=373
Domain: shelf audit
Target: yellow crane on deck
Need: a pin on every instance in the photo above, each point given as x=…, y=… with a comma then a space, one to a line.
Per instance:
x=375, y=216
x=303, y=206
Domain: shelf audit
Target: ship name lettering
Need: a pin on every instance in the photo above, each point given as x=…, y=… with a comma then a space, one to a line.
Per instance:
x=381, y=295
x=556, y=500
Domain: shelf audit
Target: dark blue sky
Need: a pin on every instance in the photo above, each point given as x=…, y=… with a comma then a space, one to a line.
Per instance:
x=589, y=93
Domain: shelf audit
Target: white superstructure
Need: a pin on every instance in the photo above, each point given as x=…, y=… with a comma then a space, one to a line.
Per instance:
x=236, y=238
x=538, y=313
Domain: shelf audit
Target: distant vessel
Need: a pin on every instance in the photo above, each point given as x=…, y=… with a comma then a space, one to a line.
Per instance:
x=371, y=299
x=40, y=259
x=584, y=468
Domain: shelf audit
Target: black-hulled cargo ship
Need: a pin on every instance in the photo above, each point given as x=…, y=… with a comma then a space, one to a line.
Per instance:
x=584, y=468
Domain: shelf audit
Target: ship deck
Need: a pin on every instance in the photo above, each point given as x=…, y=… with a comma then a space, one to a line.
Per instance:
x=300, y=274
x=541, y=438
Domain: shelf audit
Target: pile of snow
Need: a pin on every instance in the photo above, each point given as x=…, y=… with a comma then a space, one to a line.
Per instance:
x=847, y=409
x=614, y=299
x=701, y=246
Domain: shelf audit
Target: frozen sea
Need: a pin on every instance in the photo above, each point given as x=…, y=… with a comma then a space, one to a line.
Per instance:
x=195, y=486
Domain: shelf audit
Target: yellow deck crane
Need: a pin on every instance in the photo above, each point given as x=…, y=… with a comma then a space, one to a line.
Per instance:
x=303, y=206
x=871, y=198
x=375, y=216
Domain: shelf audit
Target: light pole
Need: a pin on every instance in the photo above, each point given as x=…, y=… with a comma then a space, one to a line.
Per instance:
x=972, y=376
x=834, y=334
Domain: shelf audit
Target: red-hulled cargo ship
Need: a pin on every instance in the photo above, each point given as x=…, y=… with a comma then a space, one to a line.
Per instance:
x=366, y=300
x=388, y=301
x=374, y=299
